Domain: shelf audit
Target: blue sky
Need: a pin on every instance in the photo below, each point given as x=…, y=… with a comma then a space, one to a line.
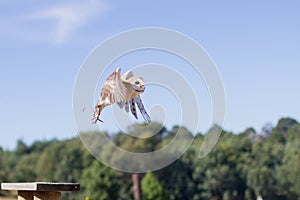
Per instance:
x=254, y=44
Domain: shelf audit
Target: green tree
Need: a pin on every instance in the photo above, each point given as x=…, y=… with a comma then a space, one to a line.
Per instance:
x=146, y=140
x=240, y=166
x=284, y=124
x=177, y=180
x=143, y=138
x=25, y=170
x=100, y=182
x=261, y=180
x=225, y=175
x=288, y=174
x=273, y=162
x=152, y=189
x=2, y=166
x=48, y=162
x=21, y=148
x=71, y=163
x=2, y=169
x=267, y=156
x=39, y=146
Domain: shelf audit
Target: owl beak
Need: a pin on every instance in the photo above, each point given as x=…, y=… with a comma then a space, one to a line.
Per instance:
x=142, y=88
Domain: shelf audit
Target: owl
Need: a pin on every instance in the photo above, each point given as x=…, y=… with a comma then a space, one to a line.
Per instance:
x=124, y=91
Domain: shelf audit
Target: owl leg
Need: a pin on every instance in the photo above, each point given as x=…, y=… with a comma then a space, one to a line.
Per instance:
x=97, y=111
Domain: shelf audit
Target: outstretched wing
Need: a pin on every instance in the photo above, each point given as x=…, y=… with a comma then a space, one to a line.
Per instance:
x=124, y=104
x=133, y=108
x=132, y=104
x=142, y=109
x=114, y=89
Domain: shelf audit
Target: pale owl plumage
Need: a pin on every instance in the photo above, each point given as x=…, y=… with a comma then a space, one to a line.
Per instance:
x=125, y=91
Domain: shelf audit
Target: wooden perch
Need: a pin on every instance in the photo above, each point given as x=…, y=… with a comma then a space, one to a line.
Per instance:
x=40, y=190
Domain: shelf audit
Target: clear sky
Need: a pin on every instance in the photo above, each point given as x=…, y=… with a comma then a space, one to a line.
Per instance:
x=255, y=45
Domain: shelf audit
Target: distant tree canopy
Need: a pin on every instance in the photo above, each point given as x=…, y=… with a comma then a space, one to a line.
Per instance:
x=100, y=182
x=152, y=188
x=240, y=166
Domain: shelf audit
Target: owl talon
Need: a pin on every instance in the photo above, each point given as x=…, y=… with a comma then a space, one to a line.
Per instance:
x=94, y=121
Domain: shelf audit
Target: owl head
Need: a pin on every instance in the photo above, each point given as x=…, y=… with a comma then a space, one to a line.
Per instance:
x=137, y=84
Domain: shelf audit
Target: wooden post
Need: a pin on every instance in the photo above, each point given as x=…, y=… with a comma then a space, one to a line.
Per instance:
x=40, y=190
x=136, y=187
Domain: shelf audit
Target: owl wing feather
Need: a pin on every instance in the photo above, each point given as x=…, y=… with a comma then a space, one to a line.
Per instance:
x=127, y=106
x=133, y=108
x=114, y=88
x=121, y=104
x=126, y=77
x=132, y=104
x=142, y=109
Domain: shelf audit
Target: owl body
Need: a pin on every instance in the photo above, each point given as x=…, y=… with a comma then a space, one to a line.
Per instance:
x=121, y=90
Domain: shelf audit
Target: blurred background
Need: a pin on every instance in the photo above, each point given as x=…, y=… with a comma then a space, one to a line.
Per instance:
x=255, y=46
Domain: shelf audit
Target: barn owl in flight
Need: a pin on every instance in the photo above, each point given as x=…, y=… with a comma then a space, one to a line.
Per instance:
x=125, y=91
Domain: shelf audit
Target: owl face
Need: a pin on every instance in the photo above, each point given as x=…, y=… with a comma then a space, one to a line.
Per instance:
x=137, y=84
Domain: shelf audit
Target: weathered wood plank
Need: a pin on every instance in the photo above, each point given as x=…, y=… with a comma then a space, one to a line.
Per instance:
x=25, y=195
x=41, y=186
x=38, y=195
x=18, y=186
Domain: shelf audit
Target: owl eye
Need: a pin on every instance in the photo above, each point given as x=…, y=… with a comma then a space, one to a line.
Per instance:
x=137, y=82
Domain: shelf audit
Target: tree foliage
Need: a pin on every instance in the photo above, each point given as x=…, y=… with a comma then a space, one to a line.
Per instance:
x=240, y=166
x=152, y=188
x=100, y=182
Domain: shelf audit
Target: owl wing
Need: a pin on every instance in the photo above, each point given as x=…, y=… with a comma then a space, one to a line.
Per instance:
x=132, y=104
x=124, y=104
x=141, y=107
x=133, y=108
x=114, y=88
x=127, y=75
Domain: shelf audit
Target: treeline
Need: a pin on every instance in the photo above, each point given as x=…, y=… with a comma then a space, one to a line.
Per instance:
x=241, y=166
